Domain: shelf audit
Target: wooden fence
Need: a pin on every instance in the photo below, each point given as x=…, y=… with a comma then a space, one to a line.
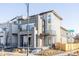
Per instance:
x=67, y=47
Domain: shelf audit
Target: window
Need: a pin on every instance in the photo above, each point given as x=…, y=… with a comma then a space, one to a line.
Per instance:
x=49, y=18
x=66, y=33
x=30, y=27
x=15, y=22
x=43, y=25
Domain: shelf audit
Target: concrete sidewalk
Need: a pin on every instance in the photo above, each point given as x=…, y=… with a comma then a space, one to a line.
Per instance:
x=12, y=54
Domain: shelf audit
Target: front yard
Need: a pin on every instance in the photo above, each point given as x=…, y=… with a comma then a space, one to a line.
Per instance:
x=49, y=52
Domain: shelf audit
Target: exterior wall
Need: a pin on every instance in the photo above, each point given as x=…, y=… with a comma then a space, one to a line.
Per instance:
x=3, y=33
x=2, y=38
x=52, y=28
x=47, y=19
x=34, y=36
x=64, y=38
x=56, y=27
x=14, y=28
x=39, y=31
x=70, y=37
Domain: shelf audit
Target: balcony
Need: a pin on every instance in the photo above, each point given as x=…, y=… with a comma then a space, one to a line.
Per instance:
x=25, y=32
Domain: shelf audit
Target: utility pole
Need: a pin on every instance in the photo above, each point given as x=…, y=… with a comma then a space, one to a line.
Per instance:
x=27, y=4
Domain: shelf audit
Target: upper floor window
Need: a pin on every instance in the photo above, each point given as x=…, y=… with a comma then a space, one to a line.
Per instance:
x=49, y=18
x=15, y=22
x=66, y=33
x=30, y=27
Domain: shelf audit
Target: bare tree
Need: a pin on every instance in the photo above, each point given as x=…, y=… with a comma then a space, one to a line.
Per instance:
x=76, y=38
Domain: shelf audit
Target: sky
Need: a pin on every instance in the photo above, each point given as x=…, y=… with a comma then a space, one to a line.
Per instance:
x=69, y=12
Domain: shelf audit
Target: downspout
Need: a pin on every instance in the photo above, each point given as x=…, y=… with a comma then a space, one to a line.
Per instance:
x=44, y=33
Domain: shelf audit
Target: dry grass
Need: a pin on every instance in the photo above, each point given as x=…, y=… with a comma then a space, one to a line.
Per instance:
x=16, y=52
x=49, y=52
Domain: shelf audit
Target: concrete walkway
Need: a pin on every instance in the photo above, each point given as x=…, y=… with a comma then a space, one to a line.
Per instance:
x=12, y=54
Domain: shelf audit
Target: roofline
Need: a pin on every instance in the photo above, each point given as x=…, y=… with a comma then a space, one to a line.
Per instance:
x=48, y=12
x=57, y=15
x=63, y=28
x=45, y=13
x=53, y=13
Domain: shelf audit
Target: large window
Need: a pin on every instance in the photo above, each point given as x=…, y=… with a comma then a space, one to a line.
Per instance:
x=30, y=27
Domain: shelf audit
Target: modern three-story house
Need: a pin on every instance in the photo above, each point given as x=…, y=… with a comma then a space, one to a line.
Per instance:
x=42, y=30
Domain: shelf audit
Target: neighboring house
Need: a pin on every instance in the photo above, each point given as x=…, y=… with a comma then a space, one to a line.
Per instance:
x=2, y=37
x=66, y=36
x=44, y=30
x=9, y=34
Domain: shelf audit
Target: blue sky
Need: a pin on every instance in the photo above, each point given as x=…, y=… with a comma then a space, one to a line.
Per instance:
x=69, y=12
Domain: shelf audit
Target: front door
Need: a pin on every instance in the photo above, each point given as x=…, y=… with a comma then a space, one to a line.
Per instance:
x=24, y=41
x=29, y=41
x=21, y=41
